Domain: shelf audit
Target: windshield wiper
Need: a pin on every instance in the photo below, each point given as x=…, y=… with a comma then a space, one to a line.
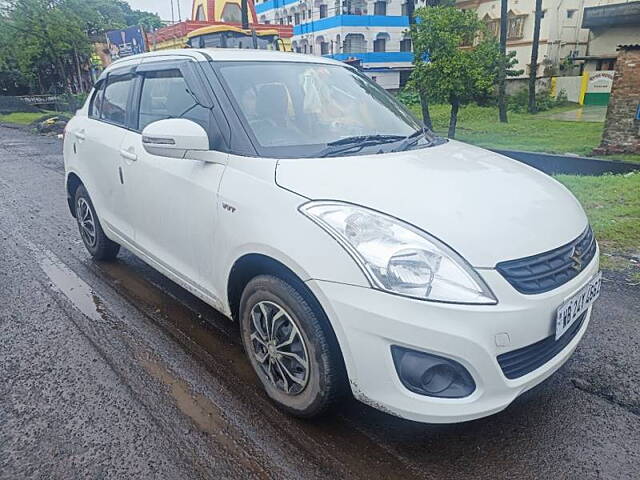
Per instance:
x=356, y=143
x=418, y=135
x=364, y=138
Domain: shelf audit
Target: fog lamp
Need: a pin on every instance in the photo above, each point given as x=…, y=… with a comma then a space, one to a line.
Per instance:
x=432, y=375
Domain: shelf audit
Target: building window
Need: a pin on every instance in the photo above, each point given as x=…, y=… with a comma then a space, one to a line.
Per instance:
x=289, y=19
x=309, y=14
x=324, y=48
x=296, y=18
x=493, y=27
x=571, y=13
x=354, y=43
x=516, y=27
x=380, y=8
x=405, y=45
x=404, y=11
x=380, y=45
x=323, y=11
x=304, y=14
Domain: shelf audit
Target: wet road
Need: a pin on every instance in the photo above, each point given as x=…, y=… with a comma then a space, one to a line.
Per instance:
x=113, y=371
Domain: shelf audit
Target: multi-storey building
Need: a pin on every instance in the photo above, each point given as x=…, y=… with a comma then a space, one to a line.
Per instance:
x=561, y=32
x=611, y=23
x=372, y=31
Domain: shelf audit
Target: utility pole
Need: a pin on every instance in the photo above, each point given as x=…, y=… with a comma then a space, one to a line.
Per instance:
x=173, y=17
x=533, y=70
x=179, y=14
x=245, y=14
x=502, y=72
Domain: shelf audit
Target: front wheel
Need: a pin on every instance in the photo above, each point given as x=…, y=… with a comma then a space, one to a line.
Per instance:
x=290, y=347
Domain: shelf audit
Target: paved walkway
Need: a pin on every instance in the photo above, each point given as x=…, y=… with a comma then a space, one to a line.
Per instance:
x=588, y=113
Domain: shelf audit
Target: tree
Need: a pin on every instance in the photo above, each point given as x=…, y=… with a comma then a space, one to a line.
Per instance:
x=46, y=43
x=502, y=73
x=533, y=70
x=422, y=93
x=443, y=69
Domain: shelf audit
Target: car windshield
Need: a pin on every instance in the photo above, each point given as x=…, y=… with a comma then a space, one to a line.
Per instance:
x=296, y=109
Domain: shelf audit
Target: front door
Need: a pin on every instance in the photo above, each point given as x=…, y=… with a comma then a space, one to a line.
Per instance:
x=172, y=203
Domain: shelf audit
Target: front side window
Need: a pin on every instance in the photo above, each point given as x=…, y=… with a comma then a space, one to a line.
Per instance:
x=116, y=98
x=165, y=94
x=296, y=109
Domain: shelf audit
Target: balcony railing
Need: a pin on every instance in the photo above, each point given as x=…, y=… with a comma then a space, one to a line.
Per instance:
x=612, y=15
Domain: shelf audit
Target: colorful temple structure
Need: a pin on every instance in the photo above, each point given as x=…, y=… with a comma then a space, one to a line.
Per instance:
x=208, y=13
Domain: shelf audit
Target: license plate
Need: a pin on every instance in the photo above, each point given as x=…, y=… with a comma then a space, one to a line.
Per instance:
x=572, y=308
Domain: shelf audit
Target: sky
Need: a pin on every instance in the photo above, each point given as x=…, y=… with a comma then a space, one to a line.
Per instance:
x=163, y=7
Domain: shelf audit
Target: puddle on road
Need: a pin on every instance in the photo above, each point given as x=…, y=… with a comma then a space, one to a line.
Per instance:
x=73, y=287
x=206, y=328
x=331, y=438
x=206, y=415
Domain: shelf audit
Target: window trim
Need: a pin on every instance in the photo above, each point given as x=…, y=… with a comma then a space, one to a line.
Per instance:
x=96, y=90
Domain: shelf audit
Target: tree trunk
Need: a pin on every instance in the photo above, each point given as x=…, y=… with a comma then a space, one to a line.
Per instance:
x=502, y=73
x=453, y=119
x=79, y=70
x=534, y=58
x=424, y=104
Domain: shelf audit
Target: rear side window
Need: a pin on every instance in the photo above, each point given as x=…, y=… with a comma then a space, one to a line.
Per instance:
x=116, y=97
x=95, y=106
x=165, y=94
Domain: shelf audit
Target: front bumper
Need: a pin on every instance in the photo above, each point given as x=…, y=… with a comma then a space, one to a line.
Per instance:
x=368, y=322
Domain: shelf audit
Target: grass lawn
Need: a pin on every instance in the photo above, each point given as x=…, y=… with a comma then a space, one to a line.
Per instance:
x=612, y=203
x=23, y=118
x=480, y=126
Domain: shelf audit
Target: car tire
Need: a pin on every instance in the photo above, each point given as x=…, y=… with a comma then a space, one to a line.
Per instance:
x=300, y=321
x=93, y=237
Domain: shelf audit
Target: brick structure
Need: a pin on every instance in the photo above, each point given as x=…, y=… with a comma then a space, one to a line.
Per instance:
x=622, y=129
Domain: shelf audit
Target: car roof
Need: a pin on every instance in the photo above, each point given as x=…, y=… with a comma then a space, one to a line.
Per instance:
x=226, y=55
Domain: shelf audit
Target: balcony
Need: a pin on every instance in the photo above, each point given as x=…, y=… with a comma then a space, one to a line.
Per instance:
x=612, y=15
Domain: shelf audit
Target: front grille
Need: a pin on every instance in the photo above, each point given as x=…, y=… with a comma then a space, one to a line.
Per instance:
x=546, y=271
x=524, y=360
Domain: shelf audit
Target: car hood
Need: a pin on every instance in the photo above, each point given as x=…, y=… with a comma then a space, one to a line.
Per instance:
x=485, y=206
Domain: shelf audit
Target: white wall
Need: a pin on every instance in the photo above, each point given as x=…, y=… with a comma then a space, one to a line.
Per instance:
x=571, y=86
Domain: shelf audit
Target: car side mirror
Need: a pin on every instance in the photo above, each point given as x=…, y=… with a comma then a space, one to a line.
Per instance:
x=174, y=137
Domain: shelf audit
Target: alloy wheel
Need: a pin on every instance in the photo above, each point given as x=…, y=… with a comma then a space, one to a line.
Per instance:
x=86, y=222
x=279, y=348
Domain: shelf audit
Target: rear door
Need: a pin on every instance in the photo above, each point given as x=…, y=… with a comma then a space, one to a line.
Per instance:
x=99, y=144
x=173, y=203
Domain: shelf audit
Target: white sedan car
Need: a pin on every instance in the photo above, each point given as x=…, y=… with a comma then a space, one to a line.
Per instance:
x=358, y=251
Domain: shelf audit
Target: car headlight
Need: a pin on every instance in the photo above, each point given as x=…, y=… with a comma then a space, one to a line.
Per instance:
x=399, y=258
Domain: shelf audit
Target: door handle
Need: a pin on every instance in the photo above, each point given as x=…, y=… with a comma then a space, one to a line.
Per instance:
x=80, y=135
x=128, y=155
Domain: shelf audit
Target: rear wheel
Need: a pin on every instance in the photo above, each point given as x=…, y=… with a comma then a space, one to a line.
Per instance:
x=93, y=237
x=290, y=347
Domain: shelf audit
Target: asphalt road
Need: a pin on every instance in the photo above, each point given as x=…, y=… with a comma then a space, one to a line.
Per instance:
x=113, y=371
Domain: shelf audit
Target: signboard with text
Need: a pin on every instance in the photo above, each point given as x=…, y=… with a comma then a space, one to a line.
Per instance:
x=127, y=42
